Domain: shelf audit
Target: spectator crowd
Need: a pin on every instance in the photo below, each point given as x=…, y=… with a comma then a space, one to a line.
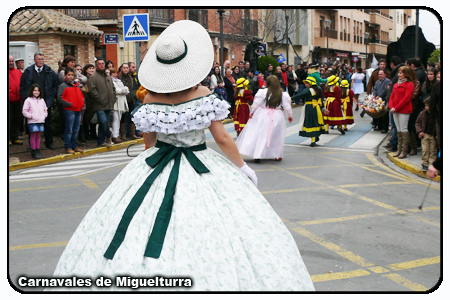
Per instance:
x=95, y=101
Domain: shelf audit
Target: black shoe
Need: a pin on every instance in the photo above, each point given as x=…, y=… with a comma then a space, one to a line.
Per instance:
x=387, y=146
x=317, y=139
x=362, y=113
x=38, y=154
x=51, y=147
x=33, y=154
x=313, y=144
x=424, y=168
x=341, y=131
x=384, y=131
x=257, y=160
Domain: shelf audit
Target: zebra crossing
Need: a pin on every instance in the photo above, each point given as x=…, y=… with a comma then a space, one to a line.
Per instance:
x=359, y=137
x=80, y=166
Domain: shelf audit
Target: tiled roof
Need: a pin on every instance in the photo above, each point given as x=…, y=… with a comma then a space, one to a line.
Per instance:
x=47, y=19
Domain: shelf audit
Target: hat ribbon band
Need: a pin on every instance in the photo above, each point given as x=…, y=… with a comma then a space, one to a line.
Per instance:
x=174, y=60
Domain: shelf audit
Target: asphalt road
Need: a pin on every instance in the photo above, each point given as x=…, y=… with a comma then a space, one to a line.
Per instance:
x=355, y=220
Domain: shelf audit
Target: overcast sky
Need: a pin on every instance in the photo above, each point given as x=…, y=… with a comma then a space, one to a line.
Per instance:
x=430, y=25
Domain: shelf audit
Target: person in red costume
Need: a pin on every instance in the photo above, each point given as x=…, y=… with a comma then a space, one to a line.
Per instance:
x=332, y=93
x=242, y=96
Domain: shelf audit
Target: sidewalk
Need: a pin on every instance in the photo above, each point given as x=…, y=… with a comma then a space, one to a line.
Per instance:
x=411, y=163
x=15, y=164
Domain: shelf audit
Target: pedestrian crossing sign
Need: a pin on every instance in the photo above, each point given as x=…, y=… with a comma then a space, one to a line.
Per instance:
x=135, y=28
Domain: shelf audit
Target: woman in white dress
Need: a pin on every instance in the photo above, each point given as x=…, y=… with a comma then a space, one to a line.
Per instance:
x=357, y=85
x=180, y=209
x=263, y=136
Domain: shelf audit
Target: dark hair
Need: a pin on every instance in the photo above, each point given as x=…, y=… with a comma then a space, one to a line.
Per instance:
x=32, y=87
x=99, y=59
x=274, y=91
x=409, y=61
x=381, y=60
x=67, y=70
x=396, y=60
x=427, y=101
x=87, y=67
x=428, y=84
x=108, y=62
x=416, y=62
x=358, y=70
x=219, y=81
x=65, y=61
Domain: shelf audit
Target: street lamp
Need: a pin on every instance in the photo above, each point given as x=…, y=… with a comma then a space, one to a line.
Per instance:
x=327, y=25
x=221, y=12
x=287, y=39
x=366, y=39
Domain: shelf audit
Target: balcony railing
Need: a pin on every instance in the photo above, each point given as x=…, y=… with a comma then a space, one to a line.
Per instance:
x=90, y=14
x=345, y=36
x=322, y=32
x=377, y=11
x=162, y=16
x=250, y=27
x=200, y=16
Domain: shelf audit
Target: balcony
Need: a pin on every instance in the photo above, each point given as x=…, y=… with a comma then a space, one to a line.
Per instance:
x=161, y=17
x=200, y=16
x=322, y=32
x=91, y=14
x=250, y=27
x=345, y=36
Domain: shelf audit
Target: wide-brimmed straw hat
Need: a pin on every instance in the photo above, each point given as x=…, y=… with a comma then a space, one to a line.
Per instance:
x=344, y=83
x=240, y=82
x=180, y=58
x=310, y=80
x=332, y=80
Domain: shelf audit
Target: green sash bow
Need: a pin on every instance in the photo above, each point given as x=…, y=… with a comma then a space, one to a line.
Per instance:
x=157, y=161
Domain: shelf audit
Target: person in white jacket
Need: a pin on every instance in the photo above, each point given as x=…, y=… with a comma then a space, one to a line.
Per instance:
x=120, y=107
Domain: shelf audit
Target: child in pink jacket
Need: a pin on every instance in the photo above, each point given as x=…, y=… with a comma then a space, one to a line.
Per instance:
x=35, y=110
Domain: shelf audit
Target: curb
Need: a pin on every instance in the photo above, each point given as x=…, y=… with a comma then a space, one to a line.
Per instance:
x=410, y=167
x=65, y=157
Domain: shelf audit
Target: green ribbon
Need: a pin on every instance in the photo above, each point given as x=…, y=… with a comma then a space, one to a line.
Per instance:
x=158, y=161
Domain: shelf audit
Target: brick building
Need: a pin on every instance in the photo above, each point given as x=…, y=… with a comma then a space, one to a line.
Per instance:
x=57, y=34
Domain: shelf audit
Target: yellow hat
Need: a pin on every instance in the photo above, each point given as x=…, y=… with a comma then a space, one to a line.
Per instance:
x=310, y=80
x=332, y=80
x=344, y=83
x=240, y=82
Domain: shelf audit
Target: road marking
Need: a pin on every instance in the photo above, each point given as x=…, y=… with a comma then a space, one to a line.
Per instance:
x=339, y=275
x=333, y=247
x=405, y=282
x=348, y=150
x=44, y=187
x=49, y=209
x=375, y=202
x=33, y=246
x=415, y=263
x=89, y=183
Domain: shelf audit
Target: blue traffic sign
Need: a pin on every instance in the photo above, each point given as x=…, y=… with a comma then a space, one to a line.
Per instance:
x=136, y=28
x=111, y=38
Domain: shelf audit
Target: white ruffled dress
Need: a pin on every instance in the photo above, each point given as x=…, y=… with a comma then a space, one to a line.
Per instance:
x=223, y=234
x=263, y=136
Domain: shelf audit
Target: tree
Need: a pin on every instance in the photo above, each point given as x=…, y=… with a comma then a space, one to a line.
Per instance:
x=435, y=56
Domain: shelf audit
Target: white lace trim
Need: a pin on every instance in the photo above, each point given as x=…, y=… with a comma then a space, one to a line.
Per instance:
x=178, y=119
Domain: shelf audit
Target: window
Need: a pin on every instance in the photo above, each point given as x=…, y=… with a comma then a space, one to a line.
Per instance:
x=69, y=50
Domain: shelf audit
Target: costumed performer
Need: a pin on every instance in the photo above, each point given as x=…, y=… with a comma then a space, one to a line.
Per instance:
x=263, y=137
x=332, y=93
x=242, y=97
x=347, y=99
x=311, y=122
x=180, y=210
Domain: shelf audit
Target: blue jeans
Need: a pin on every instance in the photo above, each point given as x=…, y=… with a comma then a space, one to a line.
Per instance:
x=103, y=125
x=393, y=141
x=72, y=126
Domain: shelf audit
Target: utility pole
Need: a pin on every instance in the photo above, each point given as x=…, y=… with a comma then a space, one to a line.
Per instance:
x=221, y=12
x=287, y=40
x=417, y=34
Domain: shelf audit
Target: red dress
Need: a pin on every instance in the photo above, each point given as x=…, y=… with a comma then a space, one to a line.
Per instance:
x=242, y=109
x=347, y=107
x=333, y=104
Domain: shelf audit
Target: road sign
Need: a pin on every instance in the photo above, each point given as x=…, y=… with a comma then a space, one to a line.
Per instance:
x=281, y=58
x=355, y=58
x=111, y=38
x=136, y=27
